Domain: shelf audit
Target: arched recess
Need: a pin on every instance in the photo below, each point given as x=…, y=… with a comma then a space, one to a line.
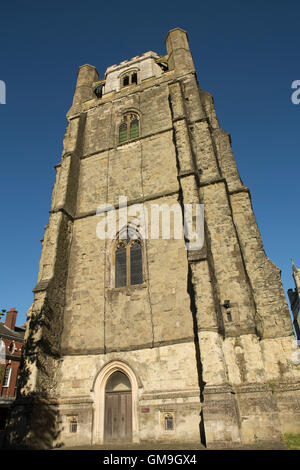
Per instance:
x=99, y=399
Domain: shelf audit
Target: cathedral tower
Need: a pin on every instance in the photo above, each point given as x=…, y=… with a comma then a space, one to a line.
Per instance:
x=150, y=338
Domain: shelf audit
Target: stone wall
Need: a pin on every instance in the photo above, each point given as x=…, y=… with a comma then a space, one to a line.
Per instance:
x=167, y=382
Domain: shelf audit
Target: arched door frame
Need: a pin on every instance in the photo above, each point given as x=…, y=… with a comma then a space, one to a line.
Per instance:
x=99, y=399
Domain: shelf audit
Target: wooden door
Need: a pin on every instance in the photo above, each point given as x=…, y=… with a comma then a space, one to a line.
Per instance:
x=118, y=416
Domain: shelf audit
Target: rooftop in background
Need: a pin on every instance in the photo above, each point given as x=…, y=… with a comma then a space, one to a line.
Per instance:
x=8, y=329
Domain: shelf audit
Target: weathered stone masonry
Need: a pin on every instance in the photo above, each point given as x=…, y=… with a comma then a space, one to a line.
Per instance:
x=219, y=372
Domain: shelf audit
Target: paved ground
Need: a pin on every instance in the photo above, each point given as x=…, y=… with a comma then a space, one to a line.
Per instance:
x=171, y=446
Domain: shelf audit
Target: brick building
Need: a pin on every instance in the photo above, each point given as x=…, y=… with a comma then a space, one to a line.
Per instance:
x=12, y=337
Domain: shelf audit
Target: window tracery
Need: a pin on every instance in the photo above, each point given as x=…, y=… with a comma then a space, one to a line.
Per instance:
x=128, y=259
x=129, y=128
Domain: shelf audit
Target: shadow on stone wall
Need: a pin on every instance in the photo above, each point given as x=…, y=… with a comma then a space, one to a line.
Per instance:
x=34, y=421
x=201, y=383
x=33, y=424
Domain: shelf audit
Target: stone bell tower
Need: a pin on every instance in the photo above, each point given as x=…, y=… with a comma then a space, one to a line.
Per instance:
x=134, y=338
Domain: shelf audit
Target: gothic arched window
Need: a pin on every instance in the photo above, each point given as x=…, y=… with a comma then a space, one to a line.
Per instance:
x=128, y=260
x=129, y=128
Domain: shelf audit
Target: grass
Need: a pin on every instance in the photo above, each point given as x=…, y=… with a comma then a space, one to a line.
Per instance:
x=292, y=441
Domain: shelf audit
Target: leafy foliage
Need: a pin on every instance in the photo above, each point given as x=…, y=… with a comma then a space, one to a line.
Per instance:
x=2, y=370
x=292, y=441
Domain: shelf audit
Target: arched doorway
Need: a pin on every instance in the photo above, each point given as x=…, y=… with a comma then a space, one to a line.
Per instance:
x=99, y=390
x=118, y=408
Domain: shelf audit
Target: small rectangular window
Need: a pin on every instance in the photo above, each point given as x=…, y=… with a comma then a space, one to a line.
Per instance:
x=169, y=423
x=6, y=378
x=73, y=426
x=229, y=317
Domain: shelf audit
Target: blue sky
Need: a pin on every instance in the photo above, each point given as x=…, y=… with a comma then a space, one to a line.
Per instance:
x=246, y=55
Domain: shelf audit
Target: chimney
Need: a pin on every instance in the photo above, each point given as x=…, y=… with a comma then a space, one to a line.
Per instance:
x=11, y=316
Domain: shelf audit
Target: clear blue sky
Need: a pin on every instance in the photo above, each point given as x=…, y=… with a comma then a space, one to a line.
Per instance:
x=246, y=55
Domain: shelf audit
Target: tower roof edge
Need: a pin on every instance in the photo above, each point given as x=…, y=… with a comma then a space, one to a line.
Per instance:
x=88, y=65
x=175, y=29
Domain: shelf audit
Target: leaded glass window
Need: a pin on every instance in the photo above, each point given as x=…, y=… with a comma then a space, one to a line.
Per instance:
x=128, y=260
x=136, y=271
x=134, y=129
x=121, y=271
x=123, y=132
x=129, y=128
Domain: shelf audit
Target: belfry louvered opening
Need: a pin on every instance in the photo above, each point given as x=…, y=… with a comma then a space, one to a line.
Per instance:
x=131, y=78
